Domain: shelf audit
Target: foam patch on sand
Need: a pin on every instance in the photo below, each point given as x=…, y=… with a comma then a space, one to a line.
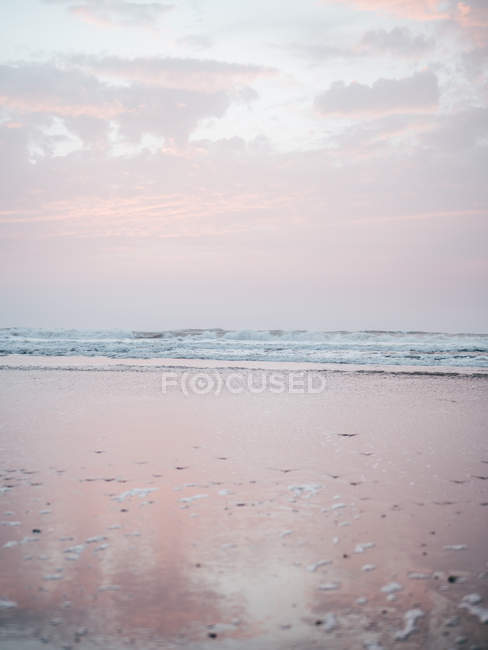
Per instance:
x=410, y=618
x=471, y=604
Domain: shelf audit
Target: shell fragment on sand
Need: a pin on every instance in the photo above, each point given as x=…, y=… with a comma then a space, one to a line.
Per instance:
x=53, y=576
x=10, y=544
x=330, y=622
x=391, y=588
x=313, y=567
x=135, y=492
x=364, y=546
x=196, y=497
x=76, y=550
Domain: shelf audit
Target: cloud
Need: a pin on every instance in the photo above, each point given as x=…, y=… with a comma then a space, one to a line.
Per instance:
x=418, y=92
x=400, y=41
x=382, y=136
x=88, y=105
x=116, y=12
x=166, y=97
x=414, y=9
x=46, y=88
x=460, y=131
x=472, y=15
x=194, y=74
x=225, y=210
x=172, y=113
x=475, y=62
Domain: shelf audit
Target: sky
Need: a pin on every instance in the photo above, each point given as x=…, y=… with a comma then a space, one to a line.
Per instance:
x=215, y=163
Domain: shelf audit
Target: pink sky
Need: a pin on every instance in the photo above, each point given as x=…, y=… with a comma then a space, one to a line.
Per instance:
x=209, y=163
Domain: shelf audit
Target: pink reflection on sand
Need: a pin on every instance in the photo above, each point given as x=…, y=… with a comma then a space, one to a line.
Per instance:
x=168, y=518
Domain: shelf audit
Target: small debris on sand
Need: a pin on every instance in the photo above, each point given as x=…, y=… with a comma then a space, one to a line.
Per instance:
x=329, y=622
x=195, y=497
x=94, y=540
x=10, y=544
x=364, y=546
x=317, y=565
x=391, y=587
x=75, y=549
x=53, y=576
x=329, y=586
x=372, y=645
x=135, y=492
x=307, y=490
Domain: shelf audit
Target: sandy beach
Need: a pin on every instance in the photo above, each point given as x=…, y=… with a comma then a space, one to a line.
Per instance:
x=354, y=518
x=243, y=325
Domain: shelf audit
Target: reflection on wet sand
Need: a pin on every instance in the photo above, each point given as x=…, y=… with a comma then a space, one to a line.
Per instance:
x=133, y=519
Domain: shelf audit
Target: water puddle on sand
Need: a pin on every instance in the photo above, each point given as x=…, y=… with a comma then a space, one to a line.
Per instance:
x=245, y=521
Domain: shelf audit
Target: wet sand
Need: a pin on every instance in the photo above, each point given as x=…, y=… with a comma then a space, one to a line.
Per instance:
x=352, y=518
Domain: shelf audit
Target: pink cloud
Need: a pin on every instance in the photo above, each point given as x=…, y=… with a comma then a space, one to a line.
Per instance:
x=196, y=74
x=472, y=16
x=116, y=12
x=53, y=91
x=413, y=9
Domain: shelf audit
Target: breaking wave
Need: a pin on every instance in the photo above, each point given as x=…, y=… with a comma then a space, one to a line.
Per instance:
x=338, y=347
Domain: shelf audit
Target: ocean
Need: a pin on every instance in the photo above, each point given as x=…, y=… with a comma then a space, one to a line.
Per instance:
x=379, y=348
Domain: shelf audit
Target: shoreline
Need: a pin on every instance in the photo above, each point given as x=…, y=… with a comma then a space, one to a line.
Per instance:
x=83, y=363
